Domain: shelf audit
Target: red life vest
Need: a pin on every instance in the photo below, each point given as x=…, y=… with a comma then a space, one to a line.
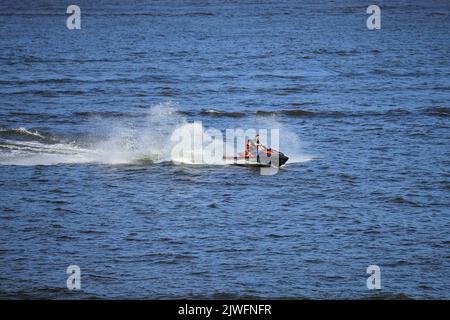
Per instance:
x=247, y=153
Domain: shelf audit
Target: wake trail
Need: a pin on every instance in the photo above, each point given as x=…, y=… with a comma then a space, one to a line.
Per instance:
x=124, y=142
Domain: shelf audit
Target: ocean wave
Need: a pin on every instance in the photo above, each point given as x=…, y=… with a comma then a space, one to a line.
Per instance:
x=145, y=14
x=403, y=201
x=38, y=81
x=398, y=112
x=336, y=52
x=291, y=113
x=393, y=73
x=390, y=296
x=305, y=113
x=21, y=131
x=437, y=111
x=108, y=114
x=46, y=93
x=157, y=14
x=217, y=113
x=27, y=59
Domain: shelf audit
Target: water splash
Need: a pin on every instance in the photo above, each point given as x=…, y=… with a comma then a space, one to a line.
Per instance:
x=149, y=139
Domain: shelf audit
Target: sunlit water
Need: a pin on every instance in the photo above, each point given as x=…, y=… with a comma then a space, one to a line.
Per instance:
x=87, y=178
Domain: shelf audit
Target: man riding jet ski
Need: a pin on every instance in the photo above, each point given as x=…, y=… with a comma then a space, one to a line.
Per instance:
x=258, y=154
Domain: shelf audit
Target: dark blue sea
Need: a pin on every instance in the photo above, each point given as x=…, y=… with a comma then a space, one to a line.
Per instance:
x=87, y=178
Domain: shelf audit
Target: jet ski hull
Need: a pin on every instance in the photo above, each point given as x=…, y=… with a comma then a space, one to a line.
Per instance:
x=276, y=159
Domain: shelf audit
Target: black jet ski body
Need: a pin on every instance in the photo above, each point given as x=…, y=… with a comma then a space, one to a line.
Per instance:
x=266, y=158
x=275, y=159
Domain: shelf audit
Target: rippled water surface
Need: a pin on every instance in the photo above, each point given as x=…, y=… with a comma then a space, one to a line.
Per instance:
x=87, y=178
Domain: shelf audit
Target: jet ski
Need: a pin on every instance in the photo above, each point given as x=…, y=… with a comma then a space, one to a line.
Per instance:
x=265, y=158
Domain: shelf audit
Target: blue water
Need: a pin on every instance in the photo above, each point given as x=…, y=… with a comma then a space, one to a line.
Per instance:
x=85, y=177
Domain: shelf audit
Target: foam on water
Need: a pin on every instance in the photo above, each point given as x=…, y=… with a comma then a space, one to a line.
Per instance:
x=22, y=132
